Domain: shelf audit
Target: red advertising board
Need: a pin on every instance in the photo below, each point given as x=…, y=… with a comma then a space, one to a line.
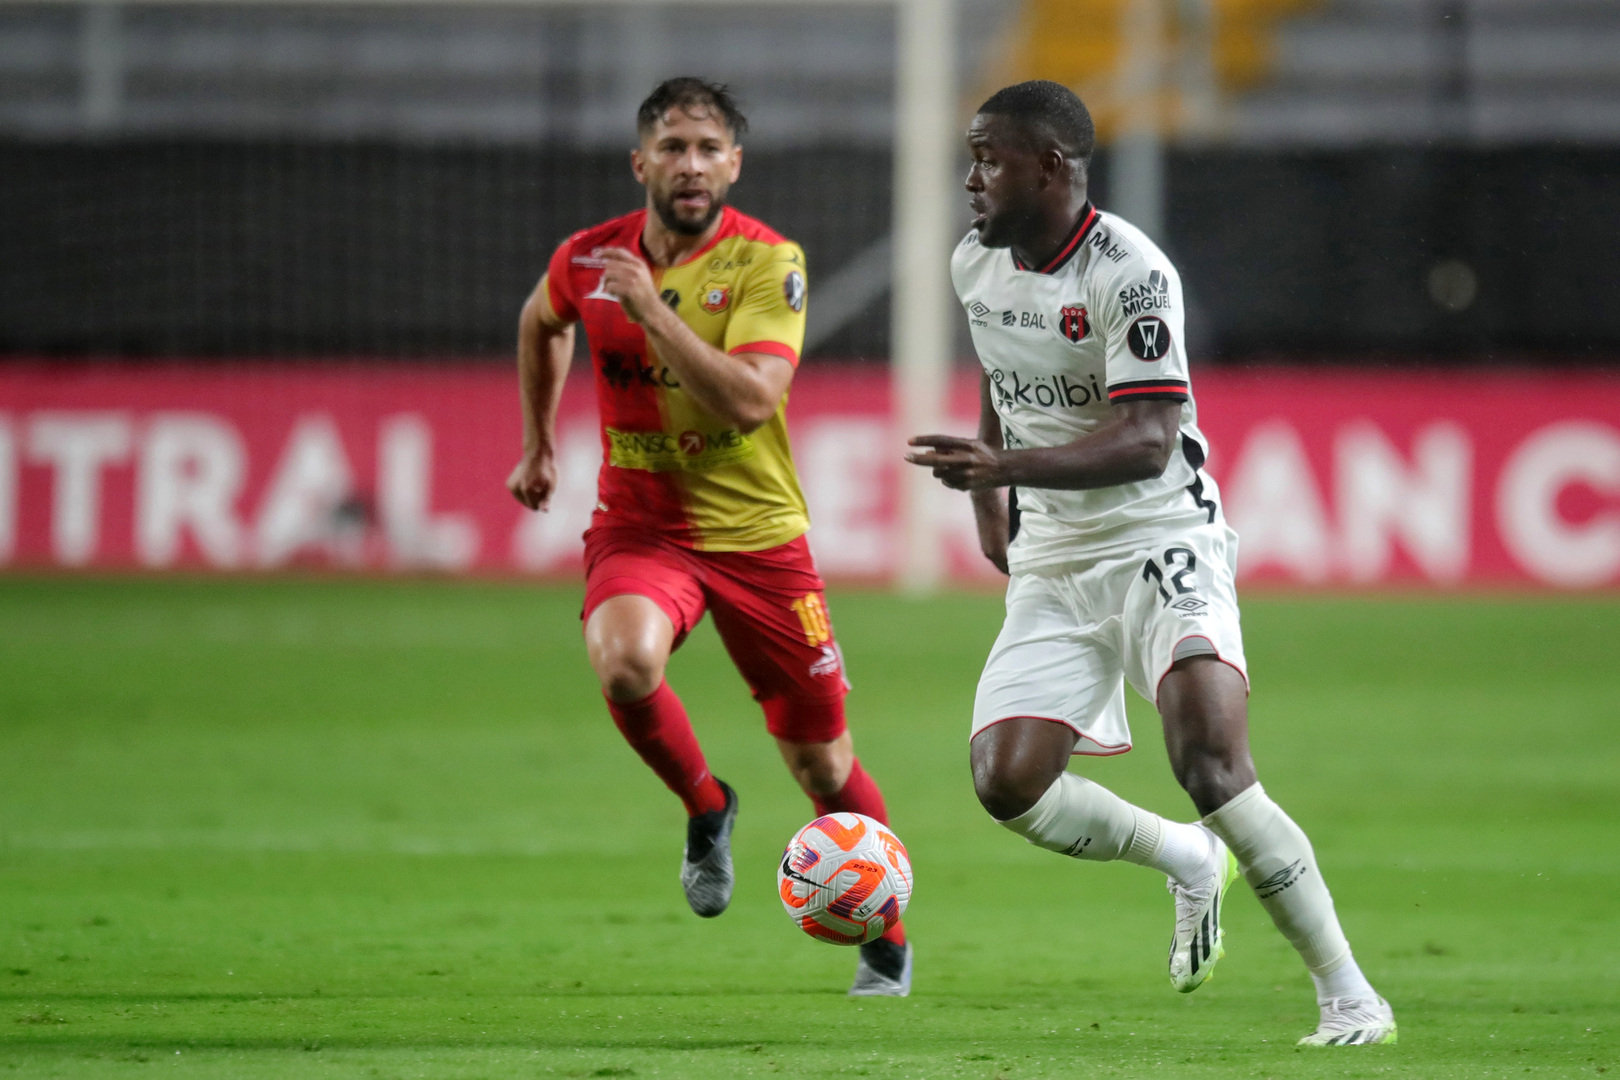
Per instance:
x=1332, y=478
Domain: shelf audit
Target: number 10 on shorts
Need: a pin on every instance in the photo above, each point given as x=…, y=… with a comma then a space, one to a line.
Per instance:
x=812, y=613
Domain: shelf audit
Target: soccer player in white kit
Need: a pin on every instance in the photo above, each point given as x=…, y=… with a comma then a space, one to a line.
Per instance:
x=1122, y=565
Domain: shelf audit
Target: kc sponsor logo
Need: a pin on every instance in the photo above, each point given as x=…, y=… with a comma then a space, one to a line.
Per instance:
x=623, y=370
x=1148, y=338
x=1072, y=321
x=793, y=290
x=1147, y=296
x=716, y=298
x=1045, y=391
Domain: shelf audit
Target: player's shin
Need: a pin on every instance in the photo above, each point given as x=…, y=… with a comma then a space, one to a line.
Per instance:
x=658, y=729
x=1084, y=820
x=1279, y=864
x=860, y=795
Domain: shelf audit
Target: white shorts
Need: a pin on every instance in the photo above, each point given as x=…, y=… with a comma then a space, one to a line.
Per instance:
x=1074, y=633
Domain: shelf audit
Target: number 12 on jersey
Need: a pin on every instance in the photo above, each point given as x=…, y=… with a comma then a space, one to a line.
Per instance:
x=1151, y=572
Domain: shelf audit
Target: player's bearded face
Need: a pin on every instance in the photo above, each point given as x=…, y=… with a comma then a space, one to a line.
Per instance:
x=1002, y=184
x=688, y=163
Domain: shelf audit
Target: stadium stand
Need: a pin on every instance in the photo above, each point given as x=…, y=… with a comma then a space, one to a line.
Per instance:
x=374, y=180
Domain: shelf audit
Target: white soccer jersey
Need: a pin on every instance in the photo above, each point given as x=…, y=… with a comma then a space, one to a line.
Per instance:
x=1100, y=323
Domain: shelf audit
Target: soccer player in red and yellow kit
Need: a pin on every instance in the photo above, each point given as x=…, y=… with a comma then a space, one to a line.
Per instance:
x=695, y=317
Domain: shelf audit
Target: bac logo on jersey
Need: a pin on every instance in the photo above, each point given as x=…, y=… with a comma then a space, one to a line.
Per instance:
x=716, y=298
x=1148, y=338
x=793, y=290
x=1072, y=321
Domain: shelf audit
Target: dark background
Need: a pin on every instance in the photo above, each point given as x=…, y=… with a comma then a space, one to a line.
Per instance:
x=210, y=248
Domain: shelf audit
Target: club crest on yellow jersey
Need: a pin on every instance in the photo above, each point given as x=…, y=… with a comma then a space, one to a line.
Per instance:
x=716, y=298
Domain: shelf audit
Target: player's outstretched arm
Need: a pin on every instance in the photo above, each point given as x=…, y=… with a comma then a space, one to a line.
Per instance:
x=989, y=507
x=1135, y=444
x=742, y=389
x=545, y=348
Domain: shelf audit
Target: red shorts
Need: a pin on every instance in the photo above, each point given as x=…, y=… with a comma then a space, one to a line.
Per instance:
x=768, y=607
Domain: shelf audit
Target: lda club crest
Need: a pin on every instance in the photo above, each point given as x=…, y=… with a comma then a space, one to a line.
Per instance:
x=1072, y=321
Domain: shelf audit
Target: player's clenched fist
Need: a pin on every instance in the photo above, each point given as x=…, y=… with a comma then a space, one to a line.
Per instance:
x=628, y=279
x=533, y=480
x=963, y=464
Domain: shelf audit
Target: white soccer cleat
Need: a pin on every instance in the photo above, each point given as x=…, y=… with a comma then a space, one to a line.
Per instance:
x=870, y=982
x=1354, y=1022
x=1198, y=941
x=708, y=878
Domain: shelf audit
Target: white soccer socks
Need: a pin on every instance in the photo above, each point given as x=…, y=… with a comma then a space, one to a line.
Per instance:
x=1280, y=866
x=1084, y=820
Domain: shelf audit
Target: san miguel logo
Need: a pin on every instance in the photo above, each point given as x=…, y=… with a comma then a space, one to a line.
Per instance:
x=1072, y=321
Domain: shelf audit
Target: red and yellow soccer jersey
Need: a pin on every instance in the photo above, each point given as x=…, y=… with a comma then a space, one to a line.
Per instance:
x=667, y=463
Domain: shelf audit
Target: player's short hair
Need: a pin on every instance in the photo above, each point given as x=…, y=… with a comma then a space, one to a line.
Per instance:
x=1048, y=111
x=686, y=92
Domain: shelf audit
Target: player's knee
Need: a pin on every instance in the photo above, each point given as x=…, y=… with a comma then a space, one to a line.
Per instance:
x=822, y=775
x=822, y=768
x=1015, y=762
x=1005, y=794
x=627, y=672
x=1213, y=776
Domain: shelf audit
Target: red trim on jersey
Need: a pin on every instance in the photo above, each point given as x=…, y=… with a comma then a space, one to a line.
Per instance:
x=1104, y=749
x=1176, y=391
x=1088, y=218
x=774, y=348
x=732, y=223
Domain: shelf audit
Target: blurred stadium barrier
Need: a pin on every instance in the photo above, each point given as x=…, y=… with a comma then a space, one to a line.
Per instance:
x=1332, y=478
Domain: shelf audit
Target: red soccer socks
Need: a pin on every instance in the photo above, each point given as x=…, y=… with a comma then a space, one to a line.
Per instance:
x=860, y=795
x=658, y=729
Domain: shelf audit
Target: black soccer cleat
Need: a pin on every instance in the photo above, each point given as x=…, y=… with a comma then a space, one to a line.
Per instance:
x=706, y=872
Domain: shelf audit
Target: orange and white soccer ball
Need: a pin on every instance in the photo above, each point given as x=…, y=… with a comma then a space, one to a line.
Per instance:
x=845, y=878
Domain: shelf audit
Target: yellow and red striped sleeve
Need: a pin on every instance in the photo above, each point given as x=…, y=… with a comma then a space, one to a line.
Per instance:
x=768, y=314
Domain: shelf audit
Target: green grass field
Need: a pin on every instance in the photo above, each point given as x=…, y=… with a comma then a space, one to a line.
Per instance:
x=366, y=829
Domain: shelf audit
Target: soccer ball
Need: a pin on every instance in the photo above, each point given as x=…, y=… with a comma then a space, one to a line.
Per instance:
x=845, y=878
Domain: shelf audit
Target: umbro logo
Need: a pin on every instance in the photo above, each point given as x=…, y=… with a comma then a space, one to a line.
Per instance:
x=1282, y=879
x=978, y=310
x=1073, y=850
x=1189, y=604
